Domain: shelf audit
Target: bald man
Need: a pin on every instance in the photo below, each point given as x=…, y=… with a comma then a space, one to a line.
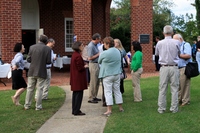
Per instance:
x=184, y=58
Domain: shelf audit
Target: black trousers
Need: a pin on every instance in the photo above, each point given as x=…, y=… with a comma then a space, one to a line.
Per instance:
x=156, y=63
x=122, y=86
x=103, y=95
x=77, y=98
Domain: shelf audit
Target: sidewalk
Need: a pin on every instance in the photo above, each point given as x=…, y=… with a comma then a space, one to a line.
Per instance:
x=64, y=122
x=93, y=122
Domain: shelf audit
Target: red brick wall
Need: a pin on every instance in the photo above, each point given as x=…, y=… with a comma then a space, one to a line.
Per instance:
x=52, y=15
x=107, y=17
x=141, y=19
x=98, y=17
x=82, y=20
x=10, y=27
x=90, y=16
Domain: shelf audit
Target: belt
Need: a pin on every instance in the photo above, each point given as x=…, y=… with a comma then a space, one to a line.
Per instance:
x=48, y=67
x=168, y=65
x=181, y=67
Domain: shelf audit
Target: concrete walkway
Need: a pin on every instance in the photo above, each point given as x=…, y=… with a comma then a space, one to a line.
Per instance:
x=64, y=122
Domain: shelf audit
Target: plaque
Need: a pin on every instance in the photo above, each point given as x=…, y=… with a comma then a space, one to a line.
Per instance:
x=144, y=38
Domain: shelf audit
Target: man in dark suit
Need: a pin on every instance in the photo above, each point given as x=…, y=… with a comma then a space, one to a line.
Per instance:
x=39, y=55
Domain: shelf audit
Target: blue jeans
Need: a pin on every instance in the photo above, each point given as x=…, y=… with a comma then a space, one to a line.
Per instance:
x=198, y=59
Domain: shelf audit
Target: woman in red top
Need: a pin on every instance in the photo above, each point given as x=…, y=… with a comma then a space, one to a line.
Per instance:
x=78, y=80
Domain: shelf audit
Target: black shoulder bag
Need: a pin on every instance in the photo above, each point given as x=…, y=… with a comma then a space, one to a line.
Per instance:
x=191, y=69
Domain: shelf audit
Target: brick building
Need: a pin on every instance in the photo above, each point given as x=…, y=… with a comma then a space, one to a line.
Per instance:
x=23, y=20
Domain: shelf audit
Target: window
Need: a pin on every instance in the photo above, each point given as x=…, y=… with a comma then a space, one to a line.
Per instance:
x=69, y=34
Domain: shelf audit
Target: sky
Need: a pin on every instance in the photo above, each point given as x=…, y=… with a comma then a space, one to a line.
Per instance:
x=181, y=7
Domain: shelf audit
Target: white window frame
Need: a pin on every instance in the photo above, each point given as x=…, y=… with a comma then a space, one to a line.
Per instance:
x=67, y=48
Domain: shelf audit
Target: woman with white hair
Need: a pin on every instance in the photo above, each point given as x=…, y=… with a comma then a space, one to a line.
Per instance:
x=110, y=73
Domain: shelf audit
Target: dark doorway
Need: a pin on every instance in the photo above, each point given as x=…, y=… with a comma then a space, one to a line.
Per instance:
x=28, y=39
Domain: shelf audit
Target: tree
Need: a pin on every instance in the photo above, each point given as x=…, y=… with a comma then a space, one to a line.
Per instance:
x=120, y=19
x=197, y=6
x=162, y=15
x=120, y=22
x=186, y=26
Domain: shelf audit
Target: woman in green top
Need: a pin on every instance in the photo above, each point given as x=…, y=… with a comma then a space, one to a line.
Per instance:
x=136, y=70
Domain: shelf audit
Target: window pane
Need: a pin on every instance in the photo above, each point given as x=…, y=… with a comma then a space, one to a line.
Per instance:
x=69, y=32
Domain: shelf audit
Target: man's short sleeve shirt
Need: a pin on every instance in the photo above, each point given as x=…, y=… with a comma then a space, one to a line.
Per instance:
x=93, y=50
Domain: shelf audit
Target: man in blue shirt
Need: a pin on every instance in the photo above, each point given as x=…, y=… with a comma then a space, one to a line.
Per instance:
x=184, y=58
x=93, y=56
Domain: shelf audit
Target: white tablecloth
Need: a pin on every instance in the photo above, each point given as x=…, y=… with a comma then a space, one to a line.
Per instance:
x=60, y=61
x=5, y=71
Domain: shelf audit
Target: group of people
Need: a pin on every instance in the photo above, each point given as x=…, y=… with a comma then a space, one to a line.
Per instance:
x=104, y=62
x=40, y=57
x=174, y=54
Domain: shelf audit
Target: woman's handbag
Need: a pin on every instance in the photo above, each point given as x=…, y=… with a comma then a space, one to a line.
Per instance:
x=191, y=69
x=123, y=75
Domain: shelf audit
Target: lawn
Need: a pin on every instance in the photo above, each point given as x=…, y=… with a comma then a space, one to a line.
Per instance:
x=137, y=117
x=14, y=119
x=144, y=118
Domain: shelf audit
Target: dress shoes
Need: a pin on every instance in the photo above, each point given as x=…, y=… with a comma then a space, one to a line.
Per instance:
x=175, y=111
x=96, y=99
x=37, y=109
x=161, y=111
x=80, y=113
x=26, y=108
x=183, y=104
x=92, y=101
x=45, y=99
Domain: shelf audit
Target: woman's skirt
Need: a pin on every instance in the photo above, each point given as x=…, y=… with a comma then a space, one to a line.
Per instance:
x=18, y=80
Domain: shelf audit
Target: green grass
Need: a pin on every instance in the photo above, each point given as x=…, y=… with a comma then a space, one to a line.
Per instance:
x=14, y=119
x=137, y=118
x=144, y=118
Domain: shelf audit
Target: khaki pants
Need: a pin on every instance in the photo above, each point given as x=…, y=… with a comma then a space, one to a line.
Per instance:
x=168, y=74
x=32, y=82
x=94, y=80
x=136, y=84
x=184, y=88
x=47, y=84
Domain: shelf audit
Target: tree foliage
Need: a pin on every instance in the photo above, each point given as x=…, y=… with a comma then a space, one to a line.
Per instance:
x=197, y=6
x=120, y=22
x=186, y=26
x=162, y=15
